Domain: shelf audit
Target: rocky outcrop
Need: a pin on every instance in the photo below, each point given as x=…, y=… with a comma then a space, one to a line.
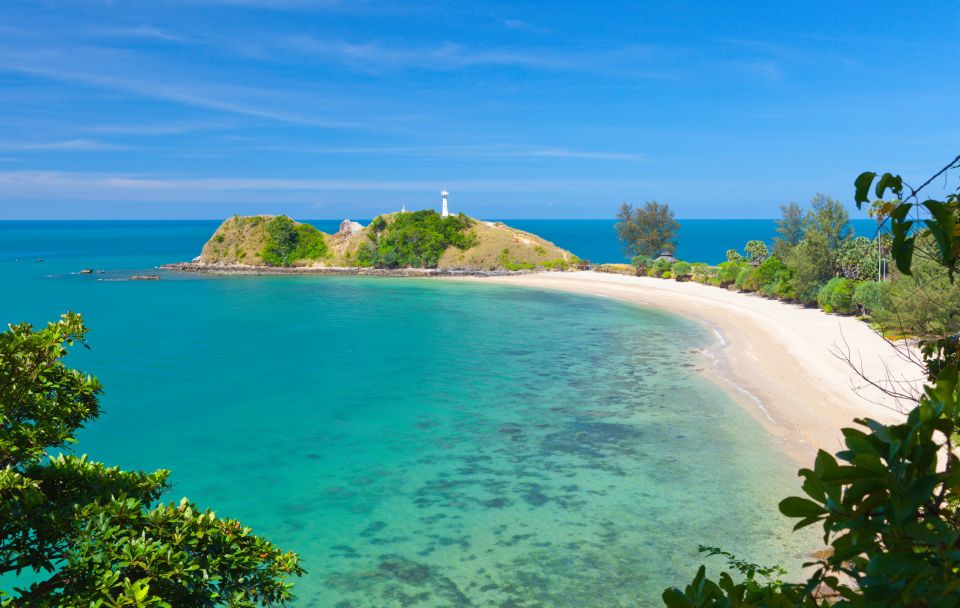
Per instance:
x=347, y=228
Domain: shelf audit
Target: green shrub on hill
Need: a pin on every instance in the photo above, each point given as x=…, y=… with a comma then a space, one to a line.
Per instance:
x=414, y=240
x=746, y=279
x=681, y=270
x=728, y=271
x=288, y=242
x=560, y=263
x=871, y=296
x=812, y=263
x=924, y=304
x=783, y=287
x=509, y=264
x=661, y=266
x=837, y=296
x=857, y=259
x=768, y=273
x=641, y=263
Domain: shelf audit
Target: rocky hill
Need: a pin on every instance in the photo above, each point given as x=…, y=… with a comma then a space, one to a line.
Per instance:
x=419, y=239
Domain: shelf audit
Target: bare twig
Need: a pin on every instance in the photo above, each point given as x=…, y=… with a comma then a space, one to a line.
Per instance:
x=901, y=390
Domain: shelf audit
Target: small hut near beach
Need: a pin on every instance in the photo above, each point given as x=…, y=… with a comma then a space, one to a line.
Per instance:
x=666, y=255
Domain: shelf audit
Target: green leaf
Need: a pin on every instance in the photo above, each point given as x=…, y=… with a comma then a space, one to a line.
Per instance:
x=887, y=180
x=806, y=521
x=674, y=598
x=800, y=507
x=902, y=251
x=862, y=184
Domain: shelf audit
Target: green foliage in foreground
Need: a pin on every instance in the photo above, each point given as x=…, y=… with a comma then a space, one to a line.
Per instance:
x=414, y=240
x=94, y=535
x=925, y=303
x=288, y=242
x=888, y=503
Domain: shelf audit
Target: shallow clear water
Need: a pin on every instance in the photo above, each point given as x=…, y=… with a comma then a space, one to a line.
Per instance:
x=419, y=442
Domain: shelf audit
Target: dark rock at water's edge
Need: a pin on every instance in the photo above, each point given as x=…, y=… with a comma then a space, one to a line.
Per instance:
x=145, y=277
x=87, y=271
x=246, y=269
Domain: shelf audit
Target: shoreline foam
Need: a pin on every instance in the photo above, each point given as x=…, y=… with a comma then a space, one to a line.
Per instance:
x=778, y=360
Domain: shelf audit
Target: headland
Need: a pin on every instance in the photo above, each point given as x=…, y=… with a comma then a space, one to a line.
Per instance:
x=418, y=243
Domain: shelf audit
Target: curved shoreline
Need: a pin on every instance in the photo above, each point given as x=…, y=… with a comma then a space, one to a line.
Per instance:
x=778, y=360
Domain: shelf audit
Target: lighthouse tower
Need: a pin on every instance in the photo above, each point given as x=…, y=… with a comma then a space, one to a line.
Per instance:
x=444, y=212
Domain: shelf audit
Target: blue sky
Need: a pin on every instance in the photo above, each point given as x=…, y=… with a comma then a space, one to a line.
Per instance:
x=327, y=109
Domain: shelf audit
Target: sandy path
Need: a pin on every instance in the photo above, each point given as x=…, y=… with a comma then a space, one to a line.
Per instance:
x=777, y=359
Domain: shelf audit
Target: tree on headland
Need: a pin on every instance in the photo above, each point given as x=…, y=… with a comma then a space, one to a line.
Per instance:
x=813, y=264
x=888, y=504
x=829, y=217
x=790, y=227
x=96, y=536
x=756, y=252
x=857, y=259
x=814, y=259
x=647, y=230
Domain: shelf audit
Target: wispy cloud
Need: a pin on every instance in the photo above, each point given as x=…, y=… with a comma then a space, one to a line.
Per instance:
x=222, y=97
x=485, y=151
x=563, y=153
x=147, y=129
x=768, y=71
x=53, y=185
x=70, y=145
x=520, y=24
x=278, y=4
x=142, y=32
x=447, y=56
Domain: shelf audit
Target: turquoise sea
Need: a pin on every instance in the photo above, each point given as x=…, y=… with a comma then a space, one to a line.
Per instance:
x=420, y=442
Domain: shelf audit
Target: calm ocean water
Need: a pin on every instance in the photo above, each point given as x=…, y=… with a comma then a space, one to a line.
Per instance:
x=419, y=442
x=594, y=240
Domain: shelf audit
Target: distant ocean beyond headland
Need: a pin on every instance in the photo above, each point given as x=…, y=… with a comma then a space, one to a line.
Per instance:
x=595, y=240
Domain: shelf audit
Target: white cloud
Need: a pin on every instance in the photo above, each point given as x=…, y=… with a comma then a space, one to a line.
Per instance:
x=768, y=71
x=58, y=185
x=65, y=146
x=65, y=66
x=486, y=151
x=143, y=32
x=447, y=56
x=145, y=129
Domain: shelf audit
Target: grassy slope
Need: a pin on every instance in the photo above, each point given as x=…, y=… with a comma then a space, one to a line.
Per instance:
x=503, y=247
x=239, y=240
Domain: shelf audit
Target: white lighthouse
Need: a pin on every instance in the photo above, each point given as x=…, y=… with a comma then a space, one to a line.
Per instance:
x=444, y=212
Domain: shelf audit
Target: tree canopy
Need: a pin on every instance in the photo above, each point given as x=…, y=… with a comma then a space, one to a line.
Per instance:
x=830, y=218
x=414, y=239
x=95, y=536
x=790, y=228
x=647, y=230
x=288, y=241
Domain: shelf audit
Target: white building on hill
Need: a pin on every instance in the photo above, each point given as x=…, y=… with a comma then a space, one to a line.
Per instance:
x=444, y=212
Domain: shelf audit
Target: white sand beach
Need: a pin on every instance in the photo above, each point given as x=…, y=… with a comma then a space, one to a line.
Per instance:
x=779, y=360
